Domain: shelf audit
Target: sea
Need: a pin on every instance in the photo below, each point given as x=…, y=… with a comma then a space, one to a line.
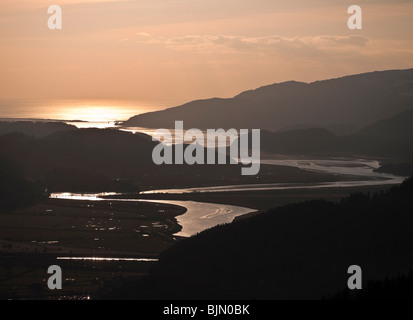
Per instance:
x=81, y=113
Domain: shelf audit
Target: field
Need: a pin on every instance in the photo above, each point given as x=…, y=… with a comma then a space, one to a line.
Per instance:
x=33, y=238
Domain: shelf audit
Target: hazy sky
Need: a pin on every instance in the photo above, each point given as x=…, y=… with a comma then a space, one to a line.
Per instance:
x=180, y=50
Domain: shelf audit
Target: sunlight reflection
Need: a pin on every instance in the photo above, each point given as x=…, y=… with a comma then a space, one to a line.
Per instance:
x=107, y=259
x=85, y=110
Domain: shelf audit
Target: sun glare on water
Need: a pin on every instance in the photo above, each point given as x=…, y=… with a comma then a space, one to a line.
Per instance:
x=86, y=114
x=95, y=116
x=98, y=111
x=94, y=113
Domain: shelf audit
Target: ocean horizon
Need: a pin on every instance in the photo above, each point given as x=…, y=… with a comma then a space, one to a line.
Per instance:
x=71, y=110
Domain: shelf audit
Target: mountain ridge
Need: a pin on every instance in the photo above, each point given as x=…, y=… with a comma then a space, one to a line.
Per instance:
x=356, y=100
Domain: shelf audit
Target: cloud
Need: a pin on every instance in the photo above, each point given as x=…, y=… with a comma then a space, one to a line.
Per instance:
x=222, y=43
x=143, y=34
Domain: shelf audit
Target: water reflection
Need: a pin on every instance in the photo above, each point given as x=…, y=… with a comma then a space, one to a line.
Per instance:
x=200, y=136
x=201, y=216
x=357, y=168
x=107, y=259
x=198, y=217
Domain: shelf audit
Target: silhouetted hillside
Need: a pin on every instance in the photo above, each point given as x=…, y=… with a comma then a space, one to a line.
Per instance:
x=357, y=100
x=389, y=288
x=404, y=169
x=76, y=180
x=300, y=251
x=110, y=160
x=398, y=128
x=93, y=150
x=339, y=130
x=80, y=158
x=392, y=138
x=16, y=190
x=36, y=129
x=306, y=141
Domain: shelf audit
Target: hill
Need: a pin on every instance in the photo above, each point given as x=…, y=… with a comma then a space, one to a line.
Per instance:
x=93, y=150
x=16, y=189
x=399, y=127
x=352, y=101
x=93, y=160
x=305, y=141
x=33, y=128
x=300, y=251
x=399, y=287
x=388, y=138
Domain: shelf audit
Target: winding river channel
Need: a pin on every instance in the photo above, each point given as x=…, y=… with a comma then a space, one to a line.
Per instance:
x=200, y=216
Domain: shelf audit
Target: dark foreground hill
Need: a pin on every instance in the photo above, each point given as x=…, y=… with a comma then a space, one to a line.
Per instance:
x=91, y=150
x=95, y=160
x=399, y=287
x=300, y=251
x=16, y=189
x=357, y=100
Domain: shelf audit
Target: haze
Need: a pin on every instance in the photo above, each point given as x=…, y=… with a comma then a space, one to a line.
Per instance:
x=184, y=49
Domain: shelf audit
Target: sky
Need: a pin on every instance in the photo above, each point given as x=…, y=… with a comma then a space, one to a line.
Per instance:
x=181, y=50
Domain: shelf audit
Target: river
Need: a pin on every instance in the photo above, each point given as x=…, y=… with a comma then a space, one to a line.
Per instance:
x=201, y=216
x=198, y=217
x=361, y=169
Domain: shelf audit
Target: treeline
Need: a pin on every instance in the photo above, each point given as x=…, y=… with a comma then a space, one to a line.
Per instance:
x=399, y=287
x=300, y=251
